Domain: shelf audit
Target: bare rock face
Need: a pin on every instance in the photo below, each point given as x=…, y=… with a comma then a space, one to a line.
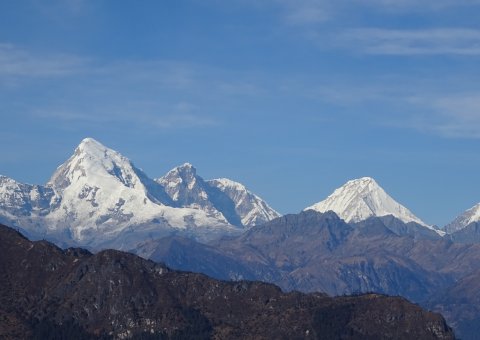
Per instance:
x=46, y=292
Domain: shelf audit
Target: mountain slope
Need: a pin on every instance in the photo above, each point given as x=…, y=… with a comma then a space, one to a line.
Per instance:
x=468, y=235
x=312, y=252
x=460, y=303
x=184, y=253
x=46, y=292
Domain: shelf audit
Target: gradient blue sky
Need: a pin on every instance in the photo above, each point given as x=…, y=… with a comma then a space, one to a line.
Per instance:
x=291, y=98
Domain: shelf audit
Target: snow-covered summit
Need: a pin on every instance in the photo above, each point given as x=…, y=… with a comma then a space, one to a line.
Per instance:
x=19, y=200
x=187, y=189
x=92, y=146
x=222, y=198
x=251, y=209
x=359, y=199
x=96, y=162
x=181, y=177
x=471, y=215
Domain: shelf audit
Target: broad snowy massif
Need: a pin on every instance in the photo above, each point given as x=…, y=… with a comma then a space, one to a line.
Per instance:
x=99, y=199
x=358, y=239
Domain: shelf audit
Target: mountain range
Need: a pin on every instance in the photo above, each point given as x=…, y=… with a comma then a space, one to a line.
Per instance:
x=98, y=198
x=359, y=239
x=314, y=251
x=50, y=293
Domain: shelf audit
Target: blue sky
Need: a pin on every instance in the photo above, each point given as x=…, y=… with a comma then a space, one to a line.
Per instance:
x=291, y=98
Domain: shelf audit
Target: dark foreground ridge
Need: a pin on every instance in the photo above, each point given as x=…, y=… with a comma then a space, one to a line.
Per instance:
x=50, y=293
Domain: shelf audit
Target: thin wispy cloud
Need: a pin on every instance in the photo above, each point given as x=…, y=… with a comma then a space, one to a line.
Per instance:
x=62, y=10
x=184, y=120
x=306, y=11
x=417, y=5
x=75, y=6
x=135, y=118
x=455, y=116
x=15, y=61
x=159, y=73
x=146, y=94
x=413, y=105
x=455, y=41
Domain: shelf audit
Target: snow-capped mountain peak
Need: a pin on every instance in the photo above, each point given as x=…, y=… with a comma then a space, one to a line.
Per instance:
x=221, y=198
x=251, y=209
x=471, y=215
x=183, y=185
x=362, y=198
x=185, y=174
x=185, y=169
x=187, y=189
x=96, y=162
x=90, y=145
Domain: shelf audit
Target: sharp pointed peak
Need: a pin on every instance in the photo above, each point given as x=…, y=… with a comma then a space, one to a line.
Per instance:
x=362, y=186
x=94, y=149
x=184, y=168
x=362, y=181
x=90, y=141
x=95, y=161
x=361, y=198
x=90, y=145
x=186, y=165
